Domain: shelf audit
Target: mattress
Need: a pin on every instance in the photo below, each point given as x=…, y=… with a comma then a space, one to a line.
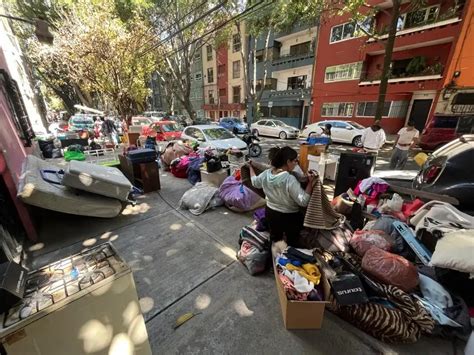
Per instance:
x=35, y=191
x=101, y=180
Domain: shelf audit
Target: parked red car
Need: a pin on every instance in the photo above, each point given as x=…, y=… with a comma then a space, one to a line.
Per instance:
x=439, y=131
x=163, y=130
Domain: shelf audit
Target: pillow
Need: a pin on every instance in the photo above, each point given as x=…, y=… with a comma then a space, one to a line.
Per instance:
x=455, y=251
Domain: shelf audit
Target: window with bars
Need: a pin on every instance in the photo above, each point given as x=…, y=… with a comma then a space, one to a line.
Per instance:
x=20, y=116
x=236, y=94
x=236, y=43
x=367, y=109
x=350, y=71
x=337, y=109
x=236, y=69
x=297, y=82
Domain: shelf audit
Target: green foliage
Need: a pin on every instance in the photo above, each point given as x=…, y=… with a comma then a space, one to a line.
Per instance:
x=96, y=54
x=416, y=65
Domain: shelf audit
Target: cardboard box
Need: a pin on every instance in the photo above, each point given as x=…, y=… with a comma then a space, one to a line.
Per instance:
x=216, y=178
x=300, y=314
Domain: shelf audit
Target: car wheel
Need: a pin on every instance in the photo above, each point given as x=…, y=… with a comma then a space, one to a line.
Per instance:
x=357, y=141
x=283, y=135
x=255, y=132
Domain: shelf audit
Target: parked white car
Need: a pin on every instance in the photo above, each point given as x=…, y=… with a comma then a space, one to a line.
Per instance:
x=215, y=137
x=274, y=128
x=341, y=131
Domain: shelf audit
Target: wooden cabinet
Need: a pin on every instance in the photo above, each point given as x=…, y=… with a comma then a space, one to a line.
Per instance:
x=305, y=150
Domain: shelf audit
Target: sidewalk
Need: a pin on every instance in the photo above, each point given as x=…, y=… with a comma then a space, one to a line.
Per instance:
x=184, y=263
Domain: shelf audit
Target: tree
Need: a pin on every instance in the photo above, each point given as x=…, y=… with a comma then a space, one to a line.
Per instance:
x=184, y=27
x=95, y=55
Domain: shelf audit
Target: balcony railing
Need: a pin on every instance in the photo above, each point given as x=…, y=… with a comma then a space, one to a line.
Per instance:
x=434, y=71
x=420, y=27
x=287, y=56
x=292, y=93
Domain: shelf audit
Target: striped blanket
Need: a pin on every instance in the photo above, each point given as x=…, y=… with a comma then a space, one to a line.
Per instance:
x=320, y=214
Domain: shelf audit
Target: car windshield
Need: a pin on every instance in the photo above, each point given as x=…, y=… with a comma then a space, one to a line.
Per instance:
x=171, y=127
x=279, y=123
x=356, y=125
x=236, y=120
x=214, y=134
x=82, y=120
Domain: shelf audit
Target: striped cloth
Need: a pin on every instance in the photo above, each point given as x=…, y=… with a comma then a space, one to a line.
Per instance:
x=320, y=214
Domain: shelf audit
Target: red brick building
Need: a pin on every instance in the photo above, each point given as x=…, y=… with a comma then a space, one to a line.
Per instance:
x=348, y=64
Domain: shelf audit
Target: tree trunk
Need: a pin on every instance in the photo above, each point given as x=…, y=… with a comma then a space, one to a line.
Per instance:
x=387, y=59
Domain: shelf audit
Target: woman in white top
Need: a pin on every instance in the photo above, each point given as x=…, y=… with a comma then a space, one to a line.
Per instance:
x=373, y=137
x=283, y=194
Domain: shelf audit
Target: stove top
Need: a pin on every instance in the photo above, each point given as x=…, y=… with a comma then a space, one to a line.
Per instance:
x=60, y=281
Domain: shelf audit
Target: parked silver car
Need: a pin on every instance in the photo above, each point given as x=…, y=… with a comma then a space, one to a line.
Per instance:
x=274, y=128
x=214, y=137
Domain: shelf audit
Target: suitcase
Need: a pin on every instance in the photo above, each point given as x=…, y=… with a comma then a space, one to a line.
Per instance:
x=101, y=180
x=139, y=156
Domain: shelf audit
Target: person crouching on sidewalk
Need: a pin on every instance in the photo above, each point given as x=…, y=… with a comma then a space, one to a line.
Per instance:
x=284, y=195
x=407, y=137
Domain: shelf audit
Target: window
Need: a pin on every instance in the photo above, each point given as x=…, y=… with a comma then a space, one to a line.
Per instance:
x=262, y=123
x=297, y=82
x=367, y=109
x=197, y=56
x=209, y=52
x=194, y=133
x=445, y=121
x=198, y=76
x=342, y=72
x=350, y=30
x=236, y=69
x=399, y=108
x=337, y=109
x=418, y=17
x=221, y=92
x=210, y=75
x=236, y=94
x=236, y=45
x=300, y=49
x=221, y=69
x=210, y=95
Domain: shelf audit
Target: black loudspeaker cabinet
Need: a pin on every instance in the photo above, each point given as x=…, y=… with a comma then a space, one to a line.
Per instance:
x=353, y=167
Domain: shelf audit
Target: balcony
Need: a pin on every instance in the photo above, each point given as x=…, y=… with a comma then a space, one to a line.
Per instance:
x=290, y=61
x=292, y=94
x=407, y=70
x=420, y=28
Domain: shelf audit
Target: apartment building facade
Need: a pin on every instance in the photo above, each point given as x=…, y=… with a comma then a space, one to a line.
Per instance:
x=196, y=95
x=457, y=97
x=289, y=66
x=224, y=87
x=349, y=64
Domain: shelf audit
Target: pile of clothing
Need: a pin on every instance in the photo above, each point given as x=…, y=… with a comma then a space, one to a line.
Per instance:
x=414, y=262
x=298, y=273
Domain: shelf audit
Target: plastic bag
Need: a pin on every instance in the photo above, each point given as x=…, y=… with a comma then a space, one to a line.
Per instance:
x=363, y=240
x=395, y=204
x=235, y=194
x=390, y=269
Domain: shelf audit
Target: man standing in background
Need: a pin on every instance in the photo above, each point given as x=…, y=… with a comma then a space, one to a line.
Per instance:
x=407, y=137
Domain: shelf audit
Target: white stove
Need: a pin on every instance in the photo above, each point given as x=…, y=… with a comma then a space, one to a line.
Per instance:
x=70, y=295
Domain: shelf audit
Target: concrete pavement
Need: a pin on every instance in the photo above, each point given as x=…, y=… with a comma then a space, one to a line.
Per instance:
x=183, y=263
